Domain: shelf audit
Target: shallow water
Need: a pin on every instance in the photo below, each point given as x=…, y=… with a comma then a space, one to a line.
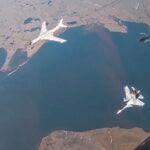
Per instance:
x=75, y=86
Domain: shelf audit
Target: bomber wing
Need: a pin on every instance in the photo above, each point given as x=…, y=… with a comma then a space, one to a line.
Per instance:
x=53, y=38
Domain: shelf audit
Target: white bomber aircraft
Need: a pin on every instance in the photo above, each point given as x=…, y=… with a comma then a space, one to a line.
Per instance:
x=132, y=98
x=49, y=34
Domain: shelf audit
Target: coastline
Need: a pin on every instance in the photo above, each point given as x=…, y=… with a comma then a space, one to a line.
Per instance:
x=16, y=34
x=104, y=138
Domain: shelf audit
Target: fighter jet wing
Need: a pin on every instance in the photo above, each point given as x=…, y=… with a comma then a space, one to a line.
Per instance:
x=53, y=38
x=125, y=107
x=139, y=103
x=127, y=93
x=141, y=97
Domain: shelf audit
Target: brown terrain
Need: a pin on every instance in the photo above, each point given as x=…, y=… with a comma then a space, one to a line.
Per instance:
x=100, y=139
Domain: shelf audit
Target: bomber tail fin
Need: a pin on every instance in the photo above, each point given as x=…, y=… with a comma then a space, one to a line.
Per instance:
x=61, y=24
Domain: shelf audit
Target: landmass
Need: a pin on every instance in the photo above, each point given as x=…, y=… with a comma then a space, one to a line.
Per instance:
x=100, y=139
x=20, y=21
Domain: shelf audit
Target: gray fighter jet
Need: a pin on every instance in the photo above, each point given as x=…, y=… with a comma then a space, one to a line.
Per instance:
x=132, y=98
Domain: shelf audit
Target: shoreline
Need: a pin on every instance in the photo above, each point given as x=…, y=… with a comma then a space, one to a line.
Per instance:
x=105, y=138
x=19, y=30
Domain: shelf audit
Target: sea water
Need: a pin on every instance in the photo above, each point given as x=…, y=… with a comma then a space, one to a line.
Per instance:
x=76, y=86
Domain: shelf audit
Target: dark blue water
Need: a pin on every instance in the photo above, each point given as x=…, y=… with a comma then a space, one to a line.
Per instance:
x=75, y=86
x=29, y=20
x=19, y=57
